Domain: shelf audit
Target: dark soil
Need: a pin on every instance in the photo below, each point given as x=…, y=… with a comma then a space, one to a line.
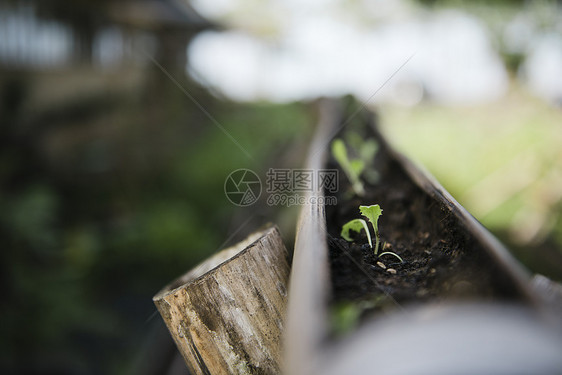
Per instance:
x=441, y=258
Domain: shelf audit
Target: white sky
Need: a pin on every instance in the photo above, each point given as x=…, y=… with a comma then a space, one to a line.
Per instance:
x=290, y=50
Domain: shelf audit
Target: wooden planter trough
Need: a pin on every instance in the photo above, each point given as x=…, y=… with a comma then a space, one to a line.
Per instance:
x=459, y=303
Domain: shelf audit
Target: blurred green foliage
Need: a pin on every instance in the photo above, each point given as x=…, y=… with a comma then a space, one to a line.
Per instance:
x=502, y=161
x=102, y=208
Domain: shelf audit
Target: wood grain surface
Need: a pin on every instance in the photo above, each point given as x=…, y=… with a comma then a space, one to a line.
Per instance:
x=227, y=315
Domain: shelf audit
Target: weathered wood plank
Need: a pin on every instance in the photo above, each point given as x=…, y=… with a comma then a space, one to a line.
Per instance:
x=309, y=288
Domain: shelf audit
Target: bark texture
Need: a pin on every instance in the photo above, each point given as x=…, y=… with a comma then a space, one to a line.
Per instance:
x=226, y=316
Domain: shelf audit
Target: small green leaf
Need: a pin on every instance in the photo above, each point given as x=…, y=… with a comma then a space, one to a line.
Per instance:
x=357, y=166
x=350, y=168
x=339, y=152
x=345, y=317
x=373, y=213
x=355, y=225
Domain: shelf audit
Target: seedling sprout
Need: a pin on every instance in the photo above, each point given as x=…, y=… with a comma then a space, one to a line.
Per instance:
x=372, y=213
x=356, y=225
x=351, y=168
x=366, y=150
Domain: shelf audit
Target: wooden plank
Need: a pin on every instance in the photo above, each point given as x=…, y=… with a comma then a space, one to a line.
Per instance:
x=309, y=288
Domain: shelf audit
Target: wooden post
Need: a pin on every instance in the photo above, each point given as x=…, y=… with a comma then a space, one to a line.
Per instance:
x=226, y=315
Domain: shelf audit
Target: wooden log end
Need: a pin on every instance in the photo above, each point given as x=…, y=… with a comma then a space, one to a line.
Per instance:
x=227, y=314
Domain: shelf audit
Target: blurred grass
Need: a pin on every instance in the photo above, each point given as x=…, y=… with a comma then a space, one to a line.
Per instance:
x=502, y=161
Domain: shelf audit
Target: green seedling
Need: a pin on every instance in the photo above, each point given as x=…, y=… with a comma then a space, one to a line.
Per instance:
x=351, y=168
x=345, y=315
x=372, y=213
x=356, y=225
x=366, y=150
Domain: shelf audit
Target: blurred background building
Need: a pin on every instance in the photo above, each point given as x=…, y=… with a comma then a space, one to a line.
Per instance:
x=112, y=157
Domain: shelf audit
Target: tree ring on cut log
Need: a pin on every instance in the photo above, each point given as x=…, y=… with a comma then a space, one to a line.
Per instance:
x=226, y=315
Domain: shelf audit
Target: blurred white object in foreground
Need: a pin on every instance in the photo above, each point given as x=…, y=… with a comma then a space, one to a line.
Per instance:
x=464, y=339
